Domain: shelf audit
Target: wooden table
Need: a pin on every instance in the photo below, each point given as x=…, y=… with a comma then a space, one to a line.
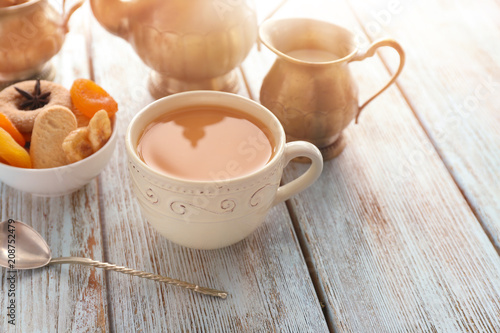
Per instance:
x=400, y=234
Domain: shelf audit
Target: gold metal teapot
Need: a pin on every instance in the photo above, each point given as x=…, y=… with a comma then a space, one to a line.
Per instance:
x=31, y=33
x=189, y=44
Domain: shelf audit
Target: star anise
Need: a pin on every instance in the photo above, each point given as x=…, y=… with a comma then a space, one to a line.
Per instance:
x=34, y=101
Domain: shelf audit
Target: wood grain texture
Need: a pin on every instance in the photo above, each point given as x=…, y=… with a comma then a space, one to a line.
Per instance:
x=266, y=276
x=389, y=239
x=452, y=81
x=394, y=244
x=65, y=298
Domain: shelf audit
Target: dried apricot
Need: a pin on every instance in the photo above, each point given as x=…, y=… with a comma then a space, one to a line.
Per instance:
x=12, y=152
x=88, y=97
x=7, y=125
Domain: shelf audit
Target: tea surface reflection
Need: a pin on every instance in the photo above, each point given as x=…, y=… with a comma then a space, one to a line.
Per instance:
x=206, y=143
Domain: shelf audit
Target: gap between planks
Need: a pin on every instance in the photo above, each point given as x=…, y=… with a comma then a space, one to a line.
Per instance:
x=426, y=131
x=311, y=268
x=304, y=249
x=105, y=251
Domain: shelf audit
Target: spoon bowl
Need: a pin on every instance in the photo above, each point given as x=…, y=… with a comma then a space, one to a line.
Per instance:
x=22, y=247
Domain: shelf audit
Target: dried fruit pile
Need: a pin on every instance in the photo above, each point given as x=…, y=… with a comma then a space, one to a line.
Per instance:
x=51, y=126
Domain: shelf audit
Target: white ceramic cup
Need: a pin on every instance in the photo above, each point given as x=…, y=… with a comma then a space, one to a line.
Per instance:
x=218, y=213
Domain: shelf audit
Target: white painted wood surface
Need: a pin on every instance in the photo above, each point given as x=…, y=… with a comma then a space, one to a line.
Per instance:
x=386, y=235
x=394, y=244
x=455, y=54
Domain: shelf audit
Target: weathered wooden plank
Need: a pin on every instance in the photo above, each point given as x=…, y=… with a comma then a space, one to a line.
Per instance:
x=394, y=245
x=59, y=298
x=266, y=276
x=453, y=89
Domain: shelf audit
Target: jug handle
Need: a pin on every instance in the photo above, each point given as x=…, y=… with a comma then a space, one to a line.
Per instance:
x=369, y=53
x=67, y=15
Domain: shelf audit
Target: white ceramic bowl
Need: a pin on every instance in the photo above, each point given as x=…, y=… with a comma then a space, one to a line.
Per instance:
x=61, y=180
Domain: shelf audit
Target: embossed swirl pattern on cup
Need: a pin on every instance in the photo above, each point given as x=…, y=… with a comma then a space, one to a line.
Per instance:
x=214, y=199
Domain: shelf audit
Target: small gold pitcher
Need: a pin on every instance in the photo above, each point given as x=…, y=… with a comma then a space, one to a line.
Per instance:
x=310, y=88
x=31, y=33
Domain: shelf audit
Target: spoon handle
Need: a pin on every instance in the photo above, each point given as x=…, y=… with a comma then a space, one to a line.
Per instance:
x=133, y=272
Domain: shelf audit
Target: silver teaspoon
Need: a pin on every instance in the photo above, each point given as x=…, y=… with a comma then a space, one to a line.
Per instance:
x=21, y=247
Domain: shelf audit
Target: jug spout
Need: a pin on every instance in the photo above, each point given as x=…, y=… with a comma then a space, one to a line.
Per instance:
x=114, y=15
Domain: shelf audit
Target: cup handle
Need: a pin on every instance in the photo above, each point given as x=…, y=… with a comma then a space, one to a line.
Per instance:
x=299, y=149
x=369, y=53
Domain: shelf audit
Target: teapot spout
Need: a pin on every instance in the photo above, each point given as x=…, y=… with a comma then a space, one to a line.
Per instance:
x=67, y=14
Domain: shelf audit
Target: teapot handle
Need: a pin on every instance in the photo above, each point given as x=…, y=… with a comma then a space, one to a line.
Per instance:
x=369, y=53
x=67, y=15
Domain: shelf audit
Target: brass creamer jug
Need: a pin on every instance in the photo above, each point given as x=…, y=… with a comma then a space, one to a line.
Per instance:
x=189, y=44
x=310, y=88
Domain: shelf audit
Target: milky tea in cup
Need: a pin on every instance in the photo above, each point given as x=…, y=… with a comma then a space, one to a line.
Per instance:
x=206, y=166
x=206, y=143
